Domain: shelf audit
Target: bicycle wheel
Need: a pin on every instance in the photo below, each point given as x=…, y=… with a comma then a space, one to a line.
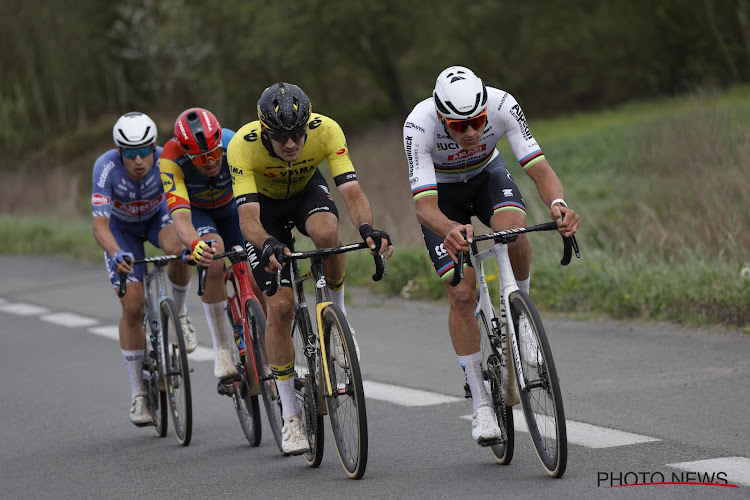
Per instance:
x=177, y=373
x=346, y=409
x=256, y=323
x=541, y=399
x=492, y=373
x=246, y=404
x=306, y=386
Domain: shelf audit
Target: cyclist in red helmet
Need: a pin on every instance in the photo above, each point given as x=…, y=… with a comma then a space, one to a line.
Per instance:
x=198, y=185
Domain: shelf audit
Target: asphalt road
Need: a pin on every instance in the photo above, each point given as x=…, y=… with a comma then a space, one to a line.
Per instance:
x=646, y=399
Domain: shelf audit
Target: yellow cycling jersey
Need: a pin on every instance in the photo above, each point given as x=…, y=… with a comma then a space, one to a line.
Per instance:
x=257, y=170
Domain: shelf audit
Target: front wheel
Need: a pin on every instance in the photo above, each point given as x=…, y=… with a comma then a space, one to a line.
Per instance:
x=346, y=407
x=177, y=373
x=541, y=398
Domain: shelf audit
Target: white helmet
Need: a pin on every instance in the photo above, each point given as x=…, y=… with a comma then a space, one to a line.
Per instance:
x=134, y=130
x=459, y=93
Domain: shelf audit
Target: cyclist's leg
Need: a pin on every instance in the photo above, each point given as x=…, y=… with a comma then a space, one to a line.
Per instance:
x=318, y=218
x=500, y=206
x=132, y=336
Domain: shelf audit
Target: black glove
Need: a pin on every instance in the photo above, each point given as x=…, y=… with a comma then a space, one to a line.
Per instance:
x=271, y=246
x=366, y=231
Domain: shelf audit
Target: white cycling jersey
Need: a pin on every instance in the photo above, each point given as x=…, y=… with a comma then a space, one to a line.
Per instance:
x=434, y=157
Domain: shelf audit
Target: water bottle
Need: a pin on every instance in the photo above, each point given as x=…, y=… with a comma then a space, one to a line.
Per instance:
x=239, y=339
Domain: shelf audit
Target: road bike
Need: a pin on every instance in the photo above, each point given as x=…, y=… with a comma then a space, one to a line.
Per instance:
x=325, y=382
x=517, y=359
x=165, y=366
x=249, y=324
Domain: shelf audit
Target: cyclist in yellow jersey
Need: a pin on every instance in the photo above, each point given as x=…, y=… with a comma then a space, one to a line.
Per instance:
x=274, y=164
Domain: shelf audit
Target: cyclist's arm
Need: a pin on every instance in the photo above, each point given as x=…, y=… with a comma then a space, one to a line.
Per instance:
x=104, y=237
x=250, y=225
x=357, y=203
x=430, y=216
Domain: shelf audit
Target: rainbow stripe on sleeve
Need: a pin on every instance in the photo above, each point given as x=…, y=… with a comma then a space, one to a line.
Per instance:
x=531, y=159
x=422, y=191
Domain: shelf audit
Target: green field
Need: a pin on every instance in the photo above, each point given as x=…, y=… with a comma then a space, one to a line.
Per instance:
x=664, y=199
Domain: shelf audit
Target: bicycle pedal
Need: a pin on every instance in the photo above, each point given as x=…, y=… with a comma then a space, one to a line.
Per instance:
x=226, y=387
x=491, y=442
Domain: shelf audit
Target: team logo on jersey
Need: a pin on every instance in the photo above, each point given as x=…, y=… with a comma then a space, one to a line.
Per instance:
x=167, y=180
x=341, y=151
x=99, y=199
x=269, y=174
x=315, y=123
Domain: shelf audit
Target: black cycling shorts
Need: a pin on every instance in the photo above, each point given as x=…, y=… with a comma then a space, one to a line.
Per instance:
x=489, y=192
x=276, y=213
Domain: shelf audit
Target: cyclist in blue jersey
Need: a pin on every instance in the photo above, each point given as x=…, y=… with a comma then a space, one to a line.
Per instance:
x=128, y=207
x=198, y=185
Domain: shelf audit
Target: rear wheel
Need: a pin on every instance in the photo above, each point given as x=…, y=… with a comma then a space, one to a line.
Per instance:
x=256, y=324
x=492, y=373
x=305, y=384
x=157, y=399
x=346, y=408
x=541, y=398
x=177, y=373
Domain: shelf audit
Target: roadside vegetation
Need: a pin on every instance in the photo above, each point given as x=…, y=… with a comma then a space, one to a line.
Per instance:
x=661, y=186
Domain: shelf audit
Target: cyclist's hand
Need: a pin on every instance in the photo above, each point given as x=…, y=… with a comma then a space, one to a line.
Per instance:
x=118, y=263
x=273, y=249
x=455, y=241
x=567, y=220
x=378, y=241
x=203, y=251
x=187, y=257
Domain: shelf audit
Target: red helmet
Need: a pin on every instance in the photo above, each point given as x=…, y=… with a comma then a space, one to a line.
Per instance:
x=197, y=131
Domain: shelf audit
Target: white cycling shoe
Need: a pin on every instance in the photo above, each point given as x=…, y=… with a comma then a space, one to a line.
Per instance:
x=140, y=415
x=188, y=333
x=340, y=354
x=484, y=427
x=293, y=437
x=224, y=366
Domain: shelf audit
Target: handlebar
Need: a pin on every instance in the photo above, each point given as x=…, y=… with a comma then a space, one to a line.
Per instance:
x=570, y=245
x=236, y=254
x=159, y=260
x=380, y=268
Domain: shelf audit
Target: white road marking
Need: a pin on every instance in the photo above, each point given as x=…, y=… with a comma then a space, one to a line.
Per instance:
x=110, y=332
x=405, y=396
x=69, y=319
x=23, y=309
x=737, y=469
x=590, y=436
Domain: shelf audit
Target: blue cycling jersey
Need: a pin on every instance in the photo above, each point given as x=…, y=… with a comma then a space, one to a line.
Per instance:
x=114, y=194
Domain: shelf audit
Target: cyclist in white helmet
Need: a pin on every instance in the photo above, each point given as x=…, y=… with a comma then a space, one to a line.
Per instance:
x=455, y=172
x=128, y=207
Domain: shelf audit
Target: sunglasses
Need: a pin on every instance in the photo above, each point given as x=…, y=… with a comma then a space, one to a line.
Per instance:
x=202, y=160
x=285, y=135
x=460, y=126
x=131, y=153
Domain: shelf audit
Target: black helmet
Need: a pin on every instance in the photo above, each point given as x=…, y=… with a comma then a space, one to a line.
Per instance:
x=284, y=109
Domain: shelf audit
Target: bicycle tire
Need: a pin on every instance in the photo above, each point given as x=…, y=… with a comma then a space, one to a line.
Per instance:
x=306, y=387
x=246, y=405
x=493, y=374
x=177, y=373
x=256, y=323
x=541, y=399
x=347, y=412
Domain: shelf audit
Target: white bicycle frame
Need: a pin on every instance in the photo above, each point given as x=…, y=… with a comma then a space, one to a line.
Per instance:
x=507, y=285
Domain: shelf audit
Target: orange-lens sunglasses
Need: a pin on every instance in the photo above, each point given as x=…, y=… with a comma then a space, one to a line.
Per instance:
x=460, y=126
x=202, y=160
